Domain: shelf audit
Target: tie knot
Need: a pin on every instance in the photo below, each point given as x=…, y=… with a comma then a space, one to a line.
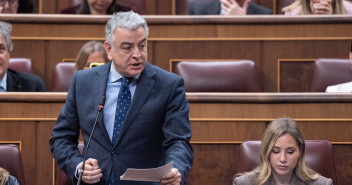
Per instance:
x=125, y=81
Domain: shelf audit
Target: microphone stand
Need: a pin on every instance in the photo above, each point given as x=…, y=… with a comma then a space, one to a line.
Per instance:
x=101, y=106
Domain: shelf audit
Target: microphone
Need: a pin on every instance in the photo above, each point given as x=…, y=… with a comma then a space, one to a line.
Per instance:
x=101, y=106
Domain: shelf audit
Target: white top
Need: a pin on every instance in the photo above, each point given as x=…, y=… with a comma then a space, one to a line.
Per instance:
x=344, y=87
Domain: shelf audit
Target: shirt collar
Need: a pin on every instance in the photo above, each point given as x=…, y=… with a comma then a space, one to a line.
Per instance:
x=3, y=83
x=115, y=76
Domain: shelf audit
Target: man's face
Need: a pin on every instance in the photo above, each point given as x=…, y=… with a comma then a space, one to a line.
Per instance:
x=350, y=57
x=4, y=57
x=129, y=55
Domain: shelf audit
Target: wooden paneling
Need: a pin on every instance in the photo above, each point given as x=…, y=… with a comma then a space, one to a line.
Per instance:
x=266, y=40
x=220, y=123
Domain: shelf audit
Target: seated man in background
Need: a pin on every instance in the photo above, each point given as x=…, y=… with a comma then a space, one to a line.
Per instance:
x=226, y=7
x=11, y=80
x=16, y=6
x=344, y=87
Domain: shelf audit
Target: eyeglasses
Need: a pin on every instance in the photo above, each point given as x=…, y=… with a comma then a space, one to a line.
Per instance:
x=2, y=2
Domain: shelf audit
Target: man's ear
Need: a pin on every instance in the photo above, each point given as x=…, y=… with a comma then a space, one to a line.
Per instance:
x=350, y=57
x=108, y=50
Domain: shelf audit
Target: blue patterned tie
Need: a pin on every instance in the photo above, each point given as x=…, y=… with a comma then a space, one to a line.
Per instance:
x=122, y=105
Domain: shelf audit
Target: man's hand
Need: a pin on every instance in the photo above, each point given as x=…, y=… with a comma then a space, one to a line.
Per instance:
x=171, y=178
x=231, y=7
x=92, y=173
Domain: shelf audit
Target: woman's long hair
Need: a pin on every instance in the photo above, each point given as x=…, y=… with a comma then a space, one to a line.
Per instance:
x=4, y=176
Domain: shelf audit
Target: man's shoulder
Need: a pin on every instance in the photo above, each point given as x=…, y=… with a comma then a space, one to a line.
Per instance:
x=23, y=76
x=155, y=70
x=204, y=7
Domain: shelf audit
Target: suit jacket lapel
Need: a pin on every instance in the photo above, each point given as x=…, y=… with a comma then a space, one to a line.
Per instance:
x=12, y=82
x=100, y=81
x=144, y=86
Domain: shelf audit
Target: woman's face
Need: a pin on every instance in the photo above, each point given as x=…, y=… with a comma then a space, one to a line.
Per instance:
x=95, y=57
x=284, y=156
x=9, y=6
x=98, y=7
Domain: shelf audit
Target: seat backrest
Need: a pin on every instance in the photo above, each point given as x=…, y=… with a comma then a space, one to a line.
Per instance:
x=21, y=65
x=219, y=76
x=62, y=76
x=60, y=176
x=319, y=156
x=11, y=160
x=328, y=72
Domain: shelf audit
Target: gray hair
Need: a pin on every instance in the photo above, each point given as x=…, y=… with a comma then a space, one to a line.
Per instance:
x=5, y=31
x=126, y=20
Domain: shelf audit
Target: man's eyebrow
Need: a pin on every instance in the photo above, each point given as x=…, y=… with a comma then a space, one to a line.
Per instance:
x=125, y=43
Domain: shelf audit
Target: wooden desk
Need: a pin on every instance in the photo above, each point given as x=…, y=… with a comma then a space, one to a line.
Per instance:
x=220, y=122
x=282, y=47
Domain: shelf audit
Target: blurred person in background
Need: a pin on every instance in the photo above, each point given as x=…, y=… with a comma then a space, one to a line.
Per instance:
x=318, y=7
x=96, y=7
x=91, y=52
x=16, y=6
x=226, y=7
x=11, y=80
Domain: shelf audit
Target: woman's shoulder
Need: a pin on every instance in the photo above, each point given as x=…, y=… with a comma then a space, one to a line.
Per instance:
x=246, y=179
x=12, y=181
x=321, y=181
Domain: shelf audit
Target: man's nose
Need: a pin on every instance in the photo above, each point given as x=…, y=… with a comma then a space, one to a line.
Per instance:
x=136, y=52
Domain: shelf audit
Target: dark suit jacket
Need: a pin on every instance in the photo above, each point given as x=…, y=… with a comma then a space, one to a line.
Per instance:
x=156, y=129
x=23, y=82
x=213, y=8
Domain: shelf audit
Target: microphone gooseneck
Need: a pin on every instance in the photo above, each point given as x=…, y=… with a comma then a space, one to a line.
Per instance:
x=101, y=107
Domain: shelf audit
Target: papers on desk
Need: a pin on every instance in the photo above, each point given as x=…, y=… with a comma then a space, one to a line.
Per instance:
x=150, y=174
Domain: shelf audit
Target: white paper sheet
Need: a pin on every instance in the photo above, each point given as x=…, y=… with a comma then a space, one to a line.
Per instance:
x=150, y=174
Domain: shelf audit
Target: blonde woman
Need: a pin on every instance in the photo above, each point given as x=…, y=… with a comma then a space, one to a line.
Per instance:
x=90, y=52
x=282, y=156
x=307, y=7
x=6, y=178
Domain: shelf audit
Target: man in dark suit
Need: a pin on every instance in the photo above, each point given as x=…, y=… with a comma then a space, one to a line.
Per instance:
x=226, y=7
x=156, y=129
x=11, y=80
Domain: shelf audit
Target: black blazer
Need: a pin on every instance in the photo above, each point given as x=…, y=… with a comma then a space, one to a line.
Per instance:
x=213, y=8
x=17, y=81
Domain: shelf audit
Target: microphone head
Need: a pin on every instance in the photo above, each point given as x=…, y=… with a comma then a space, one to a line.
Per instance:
x=102, y=103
